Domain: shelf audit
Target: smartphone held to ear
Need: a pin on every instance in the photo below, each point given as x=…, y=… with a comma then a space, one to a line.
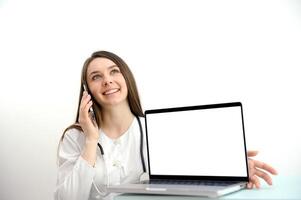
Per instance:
x=91, y=111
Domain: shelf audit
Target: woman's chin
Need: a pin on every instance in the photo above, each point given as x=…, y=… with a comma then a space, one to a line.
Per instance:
x=112, y=102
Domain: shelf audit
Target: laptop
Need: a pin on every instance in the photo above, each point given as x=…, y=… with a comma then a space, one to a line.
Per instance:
x=194, y=151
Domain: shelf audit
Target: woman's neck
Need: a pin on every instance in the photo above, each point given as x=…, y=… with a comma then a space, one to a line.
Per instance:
x=116, y=120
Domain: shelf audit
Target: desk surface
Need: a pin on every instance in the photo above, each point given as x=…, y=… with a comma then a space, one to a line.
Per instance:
x=283, y=188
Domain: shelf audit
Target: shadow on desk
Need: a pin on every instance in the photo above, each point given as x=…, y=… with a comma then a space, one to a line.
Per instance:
x=288, y=188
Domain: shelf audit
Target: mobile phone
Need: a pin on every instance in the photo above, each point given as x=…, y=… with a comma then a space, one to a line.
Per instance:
x=91, y=111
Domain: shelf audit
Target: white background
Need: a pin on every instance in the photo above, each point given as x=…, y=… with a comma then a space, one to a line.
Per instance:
x=195, y=143
x=182, y=52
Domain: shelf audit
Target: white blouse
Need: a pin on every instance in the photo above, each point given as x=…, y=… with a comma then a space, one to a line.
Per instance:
x=121, y=163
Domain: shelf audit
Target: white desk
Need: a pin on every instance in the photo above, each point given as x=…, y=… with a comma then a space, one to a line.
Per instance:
x=283, y=188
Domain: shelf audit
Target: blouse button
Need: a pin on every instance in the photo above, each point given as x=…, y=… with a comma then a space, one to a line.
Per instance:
x=116, y=163
x=116, y=142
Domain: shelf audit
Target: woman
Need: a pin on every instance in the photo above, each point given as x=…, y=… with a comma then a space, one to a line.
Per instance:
x=114, y=128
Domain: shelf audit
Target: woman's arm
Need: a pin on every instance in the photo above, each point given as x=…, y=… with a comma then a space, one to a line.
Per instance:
x=90, y=129
x=89, y=151
x=75, y=174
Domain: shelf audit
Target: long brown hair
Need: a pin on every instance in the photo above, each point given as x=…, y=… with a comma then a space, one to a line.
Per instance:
x=133, y=96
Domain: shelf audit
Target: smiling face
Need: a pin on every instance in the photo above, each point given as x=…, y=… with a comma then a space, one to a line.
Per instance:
x=106, y=82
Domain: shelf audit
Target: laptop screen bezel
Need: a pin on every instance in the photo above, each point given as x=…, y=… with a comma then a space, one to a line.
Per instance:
x=198, y=107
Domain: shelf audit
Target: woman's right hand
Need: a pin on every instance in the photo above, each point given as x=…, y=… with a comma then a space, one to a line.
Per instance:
x=88, y=124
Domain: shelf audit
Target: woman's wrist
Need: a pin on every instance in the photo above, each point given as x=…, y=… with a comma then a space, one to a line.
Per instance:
x=91, y=140
x=89, y=151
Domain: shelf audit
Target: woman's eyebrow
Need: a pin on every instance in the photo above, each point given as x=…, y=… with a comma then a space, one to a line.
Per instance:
x=112, y=66
x=94, y=72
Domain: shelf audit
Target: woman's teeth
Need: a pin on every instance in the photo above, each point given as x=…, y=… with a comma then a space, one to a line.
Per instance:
x=111, y=91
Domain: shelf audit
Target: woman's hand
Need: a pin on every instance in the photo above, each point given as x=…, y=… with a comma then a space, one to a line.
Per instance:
x=87, y=123
x=257, y=170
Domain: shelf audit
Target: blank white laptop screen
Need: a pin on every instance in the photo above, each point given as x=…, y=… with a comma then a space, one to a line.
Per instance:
x=205, y=142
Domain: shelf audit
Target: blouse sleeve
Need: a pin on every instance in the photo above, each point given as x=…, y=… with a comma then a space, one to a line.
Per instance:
x=75, y=175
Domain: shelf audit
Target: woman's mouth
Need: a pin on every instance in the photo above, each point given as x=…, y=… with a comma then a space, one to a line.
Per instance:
x=111, y=91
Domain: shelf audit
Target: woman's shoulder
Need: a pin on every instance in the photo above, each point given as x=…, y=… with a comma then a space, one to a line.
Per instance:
x=74, y=132
x=71, y=143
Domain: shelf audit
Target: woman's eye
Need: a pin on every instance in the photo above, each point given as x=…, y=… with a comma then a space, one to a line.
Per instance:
x=96, y=77
x=114, y=71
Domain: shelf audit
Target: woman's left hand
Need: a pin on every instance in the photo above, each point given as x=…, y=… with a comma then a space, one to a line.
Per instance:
x=257, y=170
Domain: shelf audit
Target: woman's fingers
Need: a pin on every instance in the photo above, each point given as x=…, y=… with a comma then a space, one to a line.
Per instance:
x=85, y=104
x=86, y=98
x=252, y=153
x=264, y=176
x=257, y=170
x=264, y=166
x=251, y=165
x=250, y=185
x=259, y=164
x=255, y=180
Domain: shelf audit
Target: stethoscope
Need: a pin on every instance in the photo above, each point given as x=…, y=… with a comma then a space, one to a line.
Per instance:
x=141, y=151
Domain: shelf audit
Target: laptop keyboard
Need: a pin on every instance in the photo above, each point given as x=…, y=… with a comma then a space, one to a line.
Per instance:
x=191, y=182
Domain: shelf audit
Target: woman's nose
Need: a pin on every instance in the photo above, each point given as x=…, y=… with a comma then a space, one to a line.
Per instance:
x=107, y=80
